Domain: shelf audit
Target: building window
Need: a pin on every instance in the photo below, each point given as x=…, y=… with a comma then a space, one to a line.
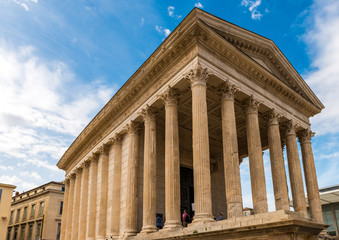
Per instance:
x=15, y=233
x=9, y=234
x=24, y=217
x=58, y=231
x=22, y=232
x=61, y=207
x=17, y=215
x=63, y=189
x=41, y=209
x=11, y=218
x=0, y=194
x=38, y=230
x=33, y=211
x=30, y=232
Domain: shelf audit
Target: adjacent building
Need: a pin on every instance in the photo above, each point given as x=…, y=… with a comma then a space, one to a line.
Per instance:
x=6, y=193
x=172, y=139
x=36, y=214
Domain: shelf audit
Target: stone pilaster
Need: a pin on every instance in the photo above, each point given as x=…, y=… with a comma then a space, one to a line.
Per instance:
x=83, y=200
x=277, y=162
x=92, y=197
x=296, y=180
x=76, y=204
x=201, y=153
x=172, y=159
x=70, y=207
x=103, y=181
x=115, y=212
x=310, y=175
x=150, y=160
x=256, y=162
x=230, y=151
x=132, y=180
x=64, y=211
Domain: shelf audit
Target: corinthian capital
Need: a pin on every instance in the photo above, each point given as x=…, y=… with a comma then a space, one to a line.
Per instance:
x=117, y=139
x=149, y=114
x=273, y=117
x=304, y=136
x=133, y=127
x=227, y=90
x=290, y=128
x=198, y=75
x=103, y=150
x=251, y=105
x=171, y=96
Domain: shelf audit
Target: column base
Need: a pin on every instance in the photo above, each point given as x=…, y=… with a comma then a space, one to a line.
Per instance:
x=128, y=233
x=149, y=229
x=202, y=219
x=172, y=224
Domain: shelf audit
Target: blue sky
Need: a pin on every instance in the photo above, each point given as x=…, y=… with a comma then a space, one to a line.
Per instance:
x=61, y=61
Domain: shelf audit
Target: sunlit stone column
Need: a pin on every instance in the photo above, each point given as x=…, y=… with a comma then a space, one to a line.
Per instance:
x=201, y=152
x=70, y=208
x=92, y=197
x=64, y=211
x=277, y=162
x=115, y=213
x=132, y=179
x=230, y=150
x=150, y=160
x=256, y=162
x=310, y=175
x=103, y=176
x=172, y=159
x=83, y=201
x=76, y=204
x=297, y=186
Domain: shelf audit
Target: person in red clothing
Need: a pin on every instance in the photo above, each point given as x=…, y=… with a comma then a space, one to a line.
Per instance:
x=185, y=218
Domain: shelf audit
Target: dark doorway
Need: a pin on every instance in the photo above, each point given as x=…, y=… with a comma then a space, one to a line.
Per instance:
x=186, y=190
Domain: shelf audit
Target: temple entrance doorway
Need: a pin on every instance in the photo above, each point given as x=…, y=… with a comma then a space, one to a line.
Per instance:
x=186, y=190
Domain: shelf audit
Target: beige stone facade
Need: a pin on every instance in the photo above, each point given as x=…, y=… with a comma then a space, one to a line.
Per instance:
x=6, y=193
x=36, y=214
x=173, y=136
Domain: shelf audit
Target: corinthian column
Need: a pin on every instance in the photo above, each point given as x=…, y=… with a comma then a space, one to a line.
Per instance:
x=64, y=211
x=310, y=175
x=70, y=208
x=132, y=180
x=201, y=152
x=297, y=186
x=277, y=163
x=92, y=197
x=103, y=181
x=172, y=159
x=230, y=149
x=256, y=162
x=150, y=160
x=76, y=204
x=115, y=213
x=83, y=201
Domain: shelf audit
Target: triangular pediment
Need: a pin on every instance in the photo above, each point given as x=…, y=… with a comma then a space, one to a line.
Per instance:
x=263, y=51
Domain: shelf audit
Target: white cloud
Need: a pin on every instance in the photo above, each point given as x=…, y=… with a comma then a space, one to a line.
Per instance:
x=22, y=184
x=322, y=38
x=252, y=6
x=170, y=10
x=163, y=31
x=142, y=21
x=198, y=5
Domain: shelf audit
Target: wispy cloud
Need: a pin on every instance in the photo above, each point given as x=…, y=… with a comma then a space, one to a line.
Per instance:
x=163, y=31
x=142, y=21
x=171, y=13
x=252, y=6
x=198, y=5
x=24, y=5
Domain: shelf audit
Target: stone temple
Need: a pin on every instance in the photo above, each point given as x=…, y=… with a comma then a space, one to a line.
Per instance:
x=172, y=139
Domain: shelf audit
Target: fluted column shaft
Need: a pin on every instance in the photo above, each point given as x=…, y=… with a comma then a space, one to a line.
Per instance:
x=103, y=175
x=296, y=180
x=172, y=159
x=230, y=150
x=150, y=160
x=256, y=162
x=92, y=198
x=83, y=201
x=70, y=207
x=64, y=211
x=132, y=180
x=277, y=163
x=76, y=204
x=201, y=152
x=115, y=213
x=310, y=176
